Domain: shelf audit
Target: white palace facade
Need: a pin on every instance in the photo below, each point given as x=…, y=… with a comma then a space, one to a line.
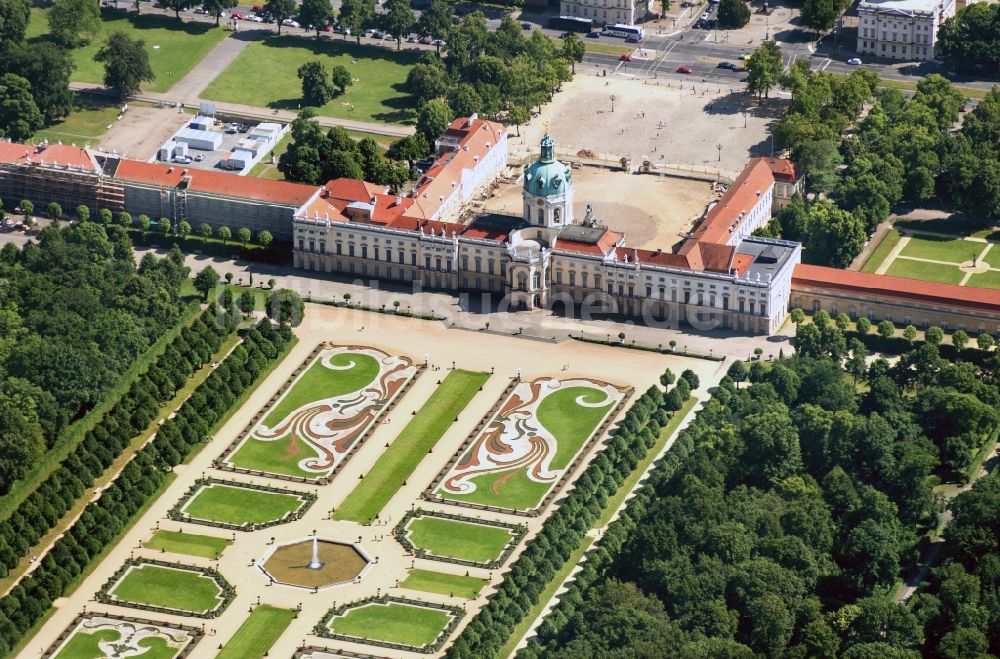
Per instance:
x=719, y=277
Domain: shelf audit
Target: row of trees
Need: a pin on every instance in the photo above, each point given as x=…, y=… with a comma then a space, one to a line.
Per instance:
x=969, y=39
x=779, y=520
x=76, y=312
x=565, y=529
x=101, y=445
x=104, y=519
x=316, y=156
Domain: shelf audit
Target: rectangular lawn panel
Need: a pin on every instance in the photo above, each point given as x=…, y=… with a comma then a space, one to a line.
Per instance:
x=989, y=279
x=889, y=240
x=192, y=544
x=265, y=73
x=946, y=274
x=257, y=633
x=952, y=250
x=463, y=540
x=423, y=431
x=88, y=121
x=393, y=623
x=239, y=506
x=274, y=457
x=452, y=585
x=174, y=47
x=184, y=590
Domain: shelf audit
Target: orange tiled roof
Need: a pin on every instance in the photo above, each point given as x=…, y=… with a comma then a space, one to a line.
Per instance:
x=220, y=183
x=782, y=169
x=742, y=195
x=52, y=154
x=814, y=276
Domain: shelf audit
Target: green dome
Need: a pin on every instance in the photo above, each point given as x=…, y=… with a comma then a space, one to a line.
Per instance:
x=547, y=177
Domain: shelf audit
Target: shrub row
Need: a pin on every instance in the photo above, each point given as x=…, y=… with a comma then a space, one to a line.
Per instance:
x=104, y=519
x=133, y=413
x=565, y=529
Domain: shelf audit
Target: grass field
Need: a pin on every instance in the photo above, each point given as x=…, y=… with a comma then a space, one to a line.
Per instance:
x=946, y=274
x=318, y=382
x=192, y=544
x=452, y=585
x=453, y=539
x=992, y=256
x=257, y=633
x=174, y=589
x=265, y=74
x=420, y=435
x=87, y=646
x=889, y=240
x=273, y=456
x=989, y=279
x=941, y=249
x=392, y=622
x=88, y=121
x=174, y=47
x=571, y=425
x=238, y=505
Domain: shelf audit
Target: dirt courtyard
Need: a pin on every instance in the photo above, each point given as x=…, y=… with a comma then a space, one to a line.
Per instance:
x=652, y=119
x=652, y=211
x=142, y=130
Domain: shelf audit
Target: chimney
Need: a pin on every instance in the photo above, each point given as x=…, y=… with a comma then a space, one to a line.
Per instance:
x=170, y=170
x=399, y=199
x=472, y=118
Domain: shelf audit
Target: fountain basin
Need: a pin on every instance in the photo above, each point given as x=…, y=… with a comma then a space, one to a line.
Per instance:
x=339, y=562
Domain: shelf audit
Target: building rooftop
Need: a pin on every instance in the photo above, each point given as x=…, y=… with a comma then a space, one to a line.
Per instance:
x=741, y=196
x=903, y=6
x=862, y=283
x=765, y=256
x=62, y=155
x=277, y=192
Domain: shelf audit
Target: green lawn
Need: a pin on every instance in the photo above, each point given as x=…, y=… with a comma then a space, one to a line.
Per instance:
x=319, y=382
x=989, y=279
x=257, y=633
x=889, y=240
x=167, y=587
x=392, y=622
x=238, y=505
x=86, y=646
x=569, y=423
x=174, y=47
x=265, y=74
x=946, y=274
x=88, y=121
x=273, y=456
x=423, y=431
x=192, y=544
x=454, y=539
x=453, y=585
x=992, y=257
x=942, y=249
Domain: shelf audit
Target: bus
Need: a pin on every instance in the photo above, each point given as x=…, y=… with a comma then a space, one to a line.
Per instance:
x=571, y=24
x=624, y=31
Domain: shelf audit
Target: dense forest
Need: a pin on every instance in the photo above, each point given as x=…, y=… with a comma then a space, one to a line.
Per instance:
x=785, y=513
x=75, y=311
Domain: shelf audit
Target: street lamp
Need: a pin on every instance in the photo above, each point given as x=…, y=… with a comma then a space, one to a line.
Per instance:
x=613, y=99
x=718, y=147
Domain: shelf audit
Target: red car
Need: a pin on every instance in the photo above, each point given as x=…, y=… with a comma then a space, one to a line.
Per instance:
x=625, y=57
x=684, y=69
x=237, y=14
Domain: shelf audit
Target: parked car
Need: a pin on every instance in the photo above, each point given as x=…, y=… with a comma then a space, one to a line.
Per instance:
x=200, y=10
x=182, y=160
x=198, y=157
x=744, y=57
x=424, y=40
x=438, y=42
x=237, y=15
x=290, y=23
x=625, y=57
x=253, y=18
x=411, y=39
x=594, y=35
x=854, y=61
x=726, y=65
x=525, y=26
x=684, y=68
x=632, y=40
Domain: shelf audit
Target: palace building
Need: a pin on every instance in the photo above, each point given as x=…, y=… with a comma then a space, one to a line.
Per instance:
x=718, y=277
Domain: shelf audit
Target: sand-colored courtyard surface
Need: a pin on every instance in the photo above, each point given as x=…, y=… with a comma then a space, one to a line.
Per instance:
x=654, y=119
x=653, y=211
x=142, y=131
x=473, y=350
